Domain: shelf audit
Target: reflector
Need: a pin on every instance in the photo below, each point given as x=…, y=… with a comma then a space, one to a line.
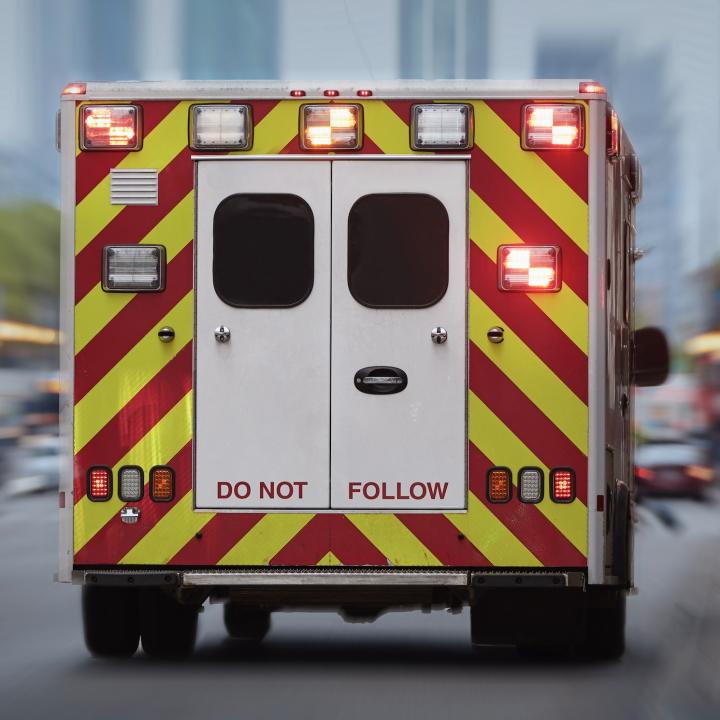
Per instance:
x=110, y=127
x=530, y=485
x=562, y=485
x=499, y=484
x=99, y=483
x=553, y=127
x=441, y=126
x=529, y=268
x=133, y=268
x=162, y=484
x=220, y=127
x=130, y=483
x=331, y=126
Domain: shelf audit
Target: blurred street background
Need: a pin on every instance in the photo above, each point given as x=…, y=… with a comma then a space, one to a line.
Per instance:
x=660, y=60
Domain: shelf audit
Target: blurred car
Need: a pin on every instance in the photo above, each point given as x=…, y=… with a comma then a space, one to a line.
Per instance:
x=34, y=466
x=672, y=467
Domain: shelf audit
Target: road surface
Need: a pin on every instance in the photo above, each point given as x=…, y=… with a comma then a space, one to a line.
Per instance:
x=405, y=665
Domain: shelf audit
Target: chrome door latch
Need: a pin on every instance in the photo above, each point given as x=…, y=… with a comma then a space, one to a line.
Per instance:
x=496, y=334
x=222, y=334
x=438, y=335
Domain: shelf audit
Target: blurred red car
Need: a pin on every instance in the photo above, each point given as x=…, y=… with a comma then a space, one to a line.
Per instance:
x=673, y=468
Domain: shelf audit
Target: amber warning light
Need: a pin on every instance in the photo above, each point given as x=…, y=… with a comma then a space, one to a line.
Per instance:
x=529, y=268
x=331, y=126
x=110, y=127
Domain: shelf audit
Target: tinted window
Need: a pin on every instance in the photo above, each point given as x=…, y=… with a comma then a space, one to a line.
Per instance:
x=398, y=250
x=263, y=250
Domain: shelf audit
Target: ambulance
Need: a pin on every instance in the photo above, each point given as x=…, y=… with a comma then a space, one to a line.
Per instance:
x=354, y=347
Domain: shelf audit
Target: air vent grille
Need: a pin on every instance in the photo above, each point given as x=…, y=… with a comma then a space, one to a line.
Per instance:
x=133, y=187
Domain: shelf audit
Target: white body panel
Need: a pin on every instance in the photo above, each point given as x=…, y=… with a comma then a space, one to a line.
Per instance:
x=398, y=451
x=262, y=399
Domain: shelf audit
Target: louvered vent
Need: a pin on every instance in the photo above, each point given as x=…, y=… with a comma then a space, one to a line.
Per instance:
x=133, y=187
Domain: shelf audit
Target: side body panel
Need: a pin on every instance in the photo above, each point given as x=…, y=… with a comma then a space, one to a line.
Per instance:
x=527, y=398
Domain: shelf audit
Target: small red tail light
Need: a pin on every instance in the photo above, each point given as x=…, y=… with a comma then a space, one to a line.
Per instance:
x=331, y=93
x=364, y=93
x=529, y=268
x=613, y=133
x=592, y=88
x=553, y=127
x=162, y=484
x=110, y=127
x=297, y=93
x=99, y=483
x=562, y=485
x=499, y=484
x=75, y=89
x=644, y=473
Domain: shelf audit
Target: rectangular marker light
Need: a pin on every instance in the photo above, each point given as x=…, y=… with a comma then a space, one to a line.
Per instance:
x=529, y=268
x=130, y=483
x=214, y=127
x=110, y=127
x=162, y=484
x=99, y=483
x=133, y=268
x=331, y=127
x=440, y=126
x=553, y=127
x=562, y=485
x=499, y=485
x=530, y=484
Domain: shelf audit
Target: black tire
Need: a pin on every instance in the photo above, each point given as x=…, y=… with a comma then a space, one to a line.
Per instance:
x=604, y=637
x=167, y=628
x=246, y=623
x=111, y=621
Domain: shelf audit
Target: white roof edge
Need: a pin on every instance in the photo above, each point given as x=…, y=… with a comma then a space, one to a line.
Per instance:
x=280, y=89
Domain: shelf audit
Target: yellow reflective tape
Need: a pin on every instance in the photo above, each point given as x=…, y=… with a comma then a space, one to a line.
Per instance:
x=329, y=559
x=501, y=446
x=161, y=146
x=157, y=447
x=534, y=379
x=386, y=129
x=491, y=537
x=564, y=308
x=132, y=373
x=533, y=176
x=394, y=540
x=275, y=130
x=266, y=539
x=169, y=535
x=98, y=307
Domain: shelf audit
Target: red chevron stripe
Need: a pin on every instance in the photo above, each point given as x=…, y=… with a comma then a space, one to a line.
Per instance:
x=137, y=418
x=91, y=168
x=524, y=419
x=260, y=108
x=133, y=222
x=350, y=546
x=131, y=324
x=216, y=539
x=115, y=539
x=308, y=546
x=525, y=521
x=570, y=165
x=526, y=219
x=533, y=326
x=444, y=540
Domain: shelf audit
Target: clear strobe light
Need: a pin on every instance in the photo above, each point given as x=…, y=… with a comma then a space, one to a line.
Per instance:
x=440, y=126
x=220, y=127
x=133, y=268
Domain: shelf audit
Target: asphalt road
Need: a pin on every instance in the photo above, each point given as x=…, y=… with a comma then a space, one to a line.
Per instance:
x=405, y=665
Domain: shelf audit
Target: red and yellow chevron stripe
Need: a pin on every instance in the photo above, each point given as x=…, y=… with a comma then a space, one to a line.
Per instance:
x=527, y=398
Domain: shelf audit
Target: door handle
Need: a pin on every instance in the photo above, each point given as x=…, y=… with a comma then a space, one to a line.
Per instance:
x=380, y=380
x=222, y=334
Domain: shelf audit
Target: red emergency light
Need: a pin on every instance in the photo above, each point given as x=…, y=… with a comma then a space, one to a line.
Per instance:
x=613, y=133
x=562, y=485
x=297, y=93
x=99, y=483
x=529, y=268
x=592, y=88
x=75, y=89
x=110, y=127
x=553, y=127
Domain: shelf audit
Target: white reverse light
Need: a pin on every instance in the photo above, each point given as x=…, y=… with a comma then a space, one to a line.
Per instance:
x=133, y=268
x=220, y=127
x=530, y=482
x=441, y=126
x=130, y=483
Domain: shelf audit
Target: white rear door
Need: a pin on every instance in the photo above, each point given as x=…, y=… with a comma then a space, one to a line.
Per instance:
x=262, y=399
x=398, y=273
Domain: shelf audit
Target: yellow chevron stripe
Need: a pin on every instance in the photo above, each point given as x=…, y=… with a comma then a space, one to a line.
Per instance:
x=329, y=559
x=498, y=444
x=530, y=374
x=393, y=540
x=266, y=538
x=565, y=308
x=157, y=447
x=98, y=308
x=275, y=130
x=491, y=537
x=386, y=129
x=132, y=373
x=160, y=147
x=533, y=176
x=169, y=535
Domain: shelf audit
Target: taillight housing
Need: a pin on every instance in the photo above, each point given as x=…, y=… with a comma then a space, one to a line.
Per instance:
x=99, y=483
x=562, y=485
x=499, y=484
x=553, y=127
x=130, y=483
x=529, y=268
x=162, y=483
x=110, y=127
x=530, y=484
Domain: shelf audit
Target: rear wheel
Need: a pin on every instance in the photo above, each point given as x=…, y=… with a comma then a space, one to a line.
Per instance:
x=604, y=637
x=168, y=628
x=111, y=621
x=246, y=623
